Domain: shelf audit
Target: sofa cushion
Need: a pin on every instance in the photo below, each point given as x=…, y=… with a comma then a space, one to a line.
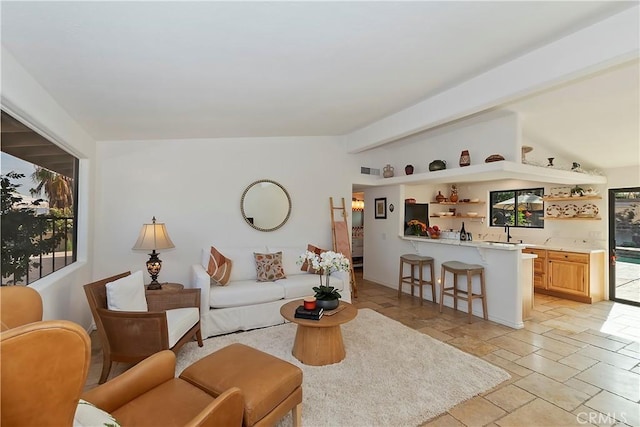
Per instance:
x=290, y=257
x=127, y=293
x=245, y=292
x=219, y=267
x=244, y=265
x=306, y=265
x=179, y=321
x=301, y=285
x=269, y=267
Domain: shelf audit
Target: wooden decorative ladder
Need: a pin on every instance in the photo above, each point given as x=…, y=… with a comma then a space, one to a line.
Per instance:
x=341, y=241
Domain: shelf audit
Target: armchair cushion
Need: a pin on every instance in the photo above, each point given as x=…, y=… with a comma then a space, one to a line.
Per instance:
x=127, y=293
x=179, y=321
x=88, y=415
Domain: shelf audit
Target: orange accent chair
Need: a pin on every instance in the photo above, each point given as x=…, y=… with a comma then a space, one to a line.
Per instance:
x=44, y=367
x=19, y=305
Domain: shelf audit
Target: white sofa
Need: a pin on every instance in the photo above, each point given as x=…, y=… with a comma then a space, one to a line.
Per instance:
x=244, y=303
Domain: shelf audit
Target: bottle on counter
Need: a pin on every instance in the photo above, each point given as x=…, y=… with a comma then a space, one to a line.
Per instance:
x=463, y=233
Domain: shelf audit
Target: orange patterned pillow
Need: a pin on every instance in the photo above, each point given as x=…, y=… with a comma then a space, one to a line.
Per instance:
x=306, y=265
x=269, y=267
x=219, y=267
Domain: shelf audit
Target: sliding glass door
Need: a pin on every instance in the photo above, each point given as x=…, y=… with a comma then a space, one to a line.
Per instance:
x=624, y=245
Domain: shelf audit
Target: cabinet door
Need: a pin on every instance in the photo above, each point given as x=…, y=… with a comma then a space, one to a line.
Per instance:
x=539, y=274
x=569, y=277
x=539, y=267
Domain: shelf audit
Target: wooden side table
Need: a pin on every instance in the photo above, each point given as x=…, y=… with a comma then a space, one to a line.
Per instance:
x=166, y=287
x=319, y=342
x=170, y=296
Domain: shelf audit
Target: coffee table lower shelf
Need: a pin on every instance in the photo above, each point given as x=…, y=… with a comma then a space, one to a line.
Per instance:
x=319, y=342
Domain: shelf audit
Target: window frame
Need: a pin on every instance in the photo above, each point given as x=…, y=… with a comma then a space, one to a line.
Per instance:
x=70, y=256
x=539, y=218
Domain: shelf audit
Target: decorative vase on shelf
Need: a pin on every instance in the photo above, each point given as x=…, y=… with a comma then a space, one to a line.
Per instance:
x=550, y=165
x=465, y=159
x=387, y=171
x=440, y=198
x=454, y=193
x=408, y=169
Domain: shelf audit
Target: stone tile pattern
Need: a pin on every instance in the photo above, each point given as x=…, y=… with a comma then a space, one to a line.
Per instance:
x=573, y=364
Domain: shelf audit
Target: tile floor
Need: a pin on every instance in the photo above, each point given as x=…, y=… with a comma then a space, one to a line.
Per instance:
x=572, y=365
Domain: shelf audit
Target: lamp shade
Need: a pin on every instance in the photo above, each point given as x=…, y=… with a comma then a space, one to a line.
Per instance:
x=153, y=236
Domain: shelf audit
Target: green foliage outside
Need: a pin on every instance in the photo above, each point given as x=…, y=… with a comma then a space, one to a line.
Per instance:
x=21, y=232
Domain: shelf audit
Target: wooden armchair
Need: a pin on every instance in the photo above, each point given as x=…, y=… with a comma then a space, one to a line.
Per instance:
x=133, y=336
x=44, y=367
x=19, y=305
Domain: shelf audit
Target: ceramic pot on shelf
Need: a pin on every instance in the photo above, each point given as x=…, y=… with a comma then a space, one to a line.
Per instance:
x=408, y=169
x=440, y=198
x=465, y=159
x=437, y=165
x=387, y=171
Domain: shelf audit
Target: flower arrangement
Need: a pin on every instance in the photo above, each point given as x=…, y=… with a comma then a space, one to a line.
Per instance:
x=434, y=232
x=418, y=228
x=325, y=263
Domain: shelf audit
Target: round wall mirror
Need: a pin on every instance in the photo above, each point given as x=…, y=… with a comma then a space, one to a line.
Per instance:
x=265, y=205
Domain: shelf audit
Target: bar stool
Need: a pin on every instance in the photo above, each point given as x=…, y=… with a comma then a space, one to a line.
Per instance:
x=420, y=262
x=457, y=267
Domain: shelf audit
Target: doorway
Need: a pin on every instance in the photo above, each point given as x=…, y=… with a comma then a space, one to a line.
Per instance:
x=624, y=245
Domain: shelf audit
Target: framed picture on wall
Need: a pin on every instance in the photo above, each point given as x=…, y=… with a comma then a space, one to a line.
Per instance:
x=381, y=208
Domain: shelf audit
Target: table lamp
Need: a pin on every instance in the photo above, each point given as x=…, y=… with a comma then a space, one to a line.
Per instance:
x=153, y=236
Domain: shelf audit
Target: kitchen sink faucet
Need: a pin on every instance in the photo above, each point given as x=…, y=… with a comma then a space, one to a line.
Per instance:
x=506, y=229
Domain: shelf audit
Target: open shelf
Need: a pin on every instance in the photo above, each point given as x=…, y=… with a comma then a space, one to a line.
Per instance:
x=572, y=218
x=570, y=199
x=457, y=203
x=456, y=216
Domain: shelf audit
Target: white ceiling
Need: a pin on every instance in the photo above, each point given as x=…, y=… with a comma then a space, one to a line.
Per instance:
x=160, y=70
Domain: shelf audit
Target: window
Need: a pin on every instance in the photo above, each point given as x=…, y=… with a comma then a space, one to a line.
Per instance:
x=39, y=193
x=517, y=208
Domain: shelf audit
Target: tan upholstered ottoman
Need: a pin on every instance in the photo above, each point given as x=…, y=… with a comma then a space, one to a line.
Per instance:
x=271, y=387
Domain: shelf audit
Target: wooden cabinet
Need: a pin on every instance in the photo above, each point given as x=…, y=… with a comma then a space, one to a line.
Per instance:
x=572, y=275
x=539, y=267
x=568, y=272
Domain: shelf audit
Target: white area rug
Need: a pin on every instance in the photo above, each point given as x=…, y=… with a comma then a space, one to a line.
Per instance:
x=392, y=375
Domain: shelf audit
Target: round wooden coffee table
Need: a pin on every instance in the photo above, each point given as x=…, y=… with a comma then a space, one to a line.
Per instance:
x=319, y=342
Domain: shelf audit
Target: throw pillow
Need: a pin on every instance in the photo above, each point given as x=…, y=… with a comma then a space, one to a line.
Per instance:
x=219, y=267
x=306, y=266
x=89, y=415
x=269, y=267
x=127, y=293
